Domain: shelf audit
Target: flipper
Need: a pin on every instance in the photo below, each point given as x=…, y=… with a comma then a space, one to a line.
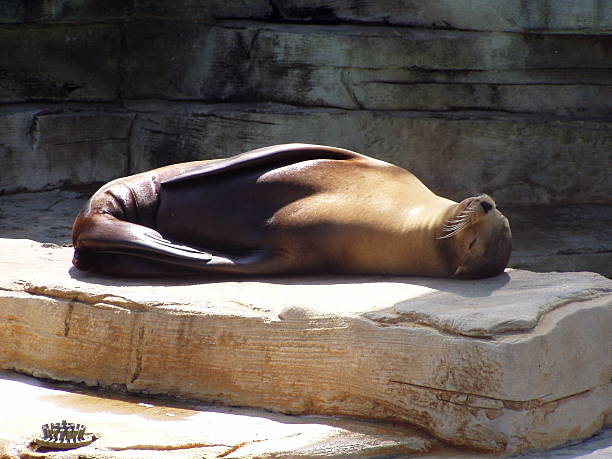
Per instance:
x=122, y=248
x=278, y=155
x=107, y=234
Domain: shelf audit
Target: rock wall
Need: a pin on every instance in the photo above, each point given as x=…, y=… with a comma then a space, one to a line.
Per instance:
x=510, y=97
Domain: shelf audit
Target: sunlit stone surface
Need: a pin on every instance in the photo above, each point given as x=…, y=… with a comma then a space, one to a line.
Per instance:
x=516, y=362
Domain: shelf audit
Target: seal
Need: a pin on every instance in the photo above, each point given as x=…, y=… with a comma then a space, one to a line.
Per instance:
x=287, y=209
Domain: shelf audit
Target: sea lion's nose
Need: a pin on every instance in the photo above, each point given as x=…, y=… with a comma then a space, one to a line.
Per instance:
x=486, y=206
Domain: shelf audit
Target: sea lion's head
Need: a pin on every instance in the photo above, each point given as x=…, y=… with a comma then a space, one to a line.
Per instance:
x=479, y=238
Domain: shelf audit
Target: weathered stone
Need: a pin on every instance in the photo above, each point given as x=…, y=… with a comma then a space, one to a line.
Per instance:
x=582, y=16
x=571, y=238
x=156, y=54
x=41, y=148
x=60, y=11
x=84, y=11
x=199, y=10
x=151, y=427
x=339, y=66
x=336, y=66
x=520, y=160
x=577, y=16
x=45, y=217
x=379, y=348
x=355, y=46
x=582, y=100
x=59, y=63
x=129, y=427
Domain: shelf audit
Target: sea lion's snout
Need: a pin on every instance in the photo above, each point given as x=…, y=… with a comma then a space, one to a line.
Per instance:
x=481, y=239
x=486, y=206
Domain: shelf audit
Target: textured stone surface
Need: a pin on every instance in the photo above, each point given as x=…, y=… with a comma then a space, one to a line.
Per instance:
x=576, y=16
x=339, y=66
x=62, y=11
x=45, y=217
x=496, y=364
x=78, y=63
x=597, y=447
x=42, y=147
x=510, y=99
x=156, y=55
x=151, y=427
x=591, y=16
x=519, y=160
x=210, y=9
x=308, y=65
x=130, y=427
x=572, y=238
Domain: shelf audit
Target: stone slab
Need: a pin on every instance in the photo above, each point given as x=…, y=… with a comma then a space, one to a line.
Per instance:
x=204, y=11
x=60, y=11
x=309, y=65
x=339, y=66
x=156, y=56
x=590, y=16
x=45, y=217
x=521, y=160
x=149, y=427
x=72, y=62
x=496, y=365
x=46, y=146
x=571, y=238
x=576, y=17
x=134, y=427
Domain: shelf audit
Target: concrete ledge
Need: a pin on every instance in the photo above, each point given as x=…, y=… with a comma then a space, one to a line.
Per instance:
x=498, y=365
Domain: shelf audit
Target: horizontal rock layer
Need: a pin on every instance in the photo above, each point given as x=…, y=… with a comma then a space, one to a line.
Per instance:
x=46, y=146
x=59, y=63
x=308, y=65
x=518, y=159
x=578, y=16
x=575, y=238
x=499, y=364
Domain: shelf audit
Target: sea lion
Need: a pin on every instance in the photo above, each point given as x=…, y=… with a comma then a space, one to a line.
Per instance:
x=294, y=208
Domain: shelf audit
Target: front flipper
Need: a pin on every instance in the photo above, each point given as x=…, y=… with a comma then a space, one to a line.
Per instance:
x=275, y=156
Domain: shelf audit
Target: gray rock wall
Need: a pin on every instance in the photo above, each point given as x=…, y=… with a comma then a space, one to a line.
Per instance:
x=509, y=97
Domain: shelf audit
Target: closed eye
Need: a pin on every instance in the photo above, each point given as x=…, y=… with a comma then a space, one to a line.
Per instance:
x=473, y=242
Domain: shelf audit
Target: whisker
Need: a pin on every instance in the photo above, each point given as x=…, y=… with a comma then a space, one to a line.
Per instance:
x=459, y=223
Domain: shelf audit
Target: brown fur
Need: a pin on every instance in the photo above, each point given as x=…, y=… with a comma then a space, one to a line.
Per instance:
x=285, y=209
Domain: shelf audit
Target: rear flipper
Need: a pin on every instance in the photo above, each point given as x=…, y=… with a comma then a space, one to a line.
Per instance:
x=118, y=248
